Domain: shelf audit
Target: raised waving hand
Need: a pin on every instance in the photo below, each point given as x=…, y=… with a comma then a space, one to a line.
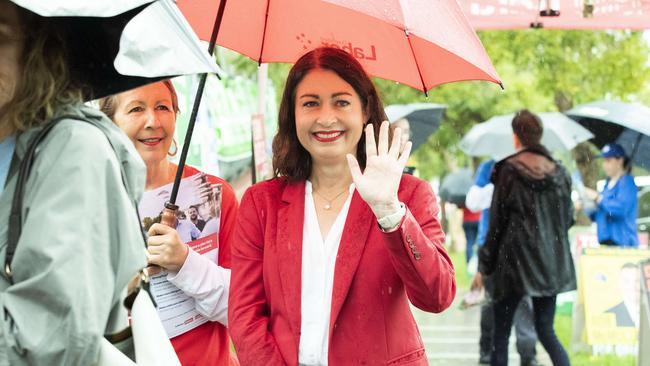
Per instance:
x=379, y=182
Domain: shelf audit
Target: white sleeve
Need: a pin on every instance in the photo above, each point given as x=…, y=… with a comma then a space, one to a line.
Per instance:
x=479, y=198
x=207, y=283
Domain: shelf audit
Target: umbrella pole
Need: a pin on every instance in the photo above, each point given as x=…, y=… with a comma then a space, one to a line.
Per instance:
x=636, y=147
x=424, y=86
x=195, y=108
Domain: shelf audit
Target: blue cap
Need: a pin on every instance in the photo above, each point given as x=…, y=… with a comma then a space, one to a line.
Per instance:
x=613, y=151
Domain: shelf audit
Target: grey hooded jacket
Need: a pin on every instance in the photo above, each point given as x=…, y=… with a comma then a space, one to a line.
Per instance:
x=80, y=243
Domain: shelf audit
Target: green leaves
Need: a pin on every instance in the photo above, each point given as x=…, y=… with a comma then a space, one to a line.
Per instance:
x=542, y=70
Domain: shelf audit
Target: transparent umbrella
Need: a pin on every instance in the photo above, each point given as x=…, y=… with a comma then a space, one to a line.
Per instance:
x=494, y=136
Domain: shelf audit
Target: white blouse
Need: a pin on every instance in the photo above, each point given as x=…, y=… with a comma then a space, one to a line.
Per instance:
x=206, y=282
x=318, y=261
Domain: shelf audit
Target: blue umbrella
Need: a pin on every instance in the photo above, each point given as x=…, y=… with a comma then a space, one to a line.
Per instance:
x=627, y=124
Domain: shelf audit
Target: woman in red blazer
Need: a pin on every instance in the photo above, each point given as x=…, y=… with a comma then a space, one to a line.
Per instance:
x=327, y=255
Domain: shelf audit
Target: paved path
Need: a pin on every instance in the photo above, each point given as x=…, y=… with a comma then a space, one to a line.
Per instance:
x=451, y=338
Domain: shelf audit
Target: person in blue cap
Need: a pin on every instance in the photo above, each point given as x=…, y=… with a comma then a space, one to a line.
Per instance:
x=616, y=206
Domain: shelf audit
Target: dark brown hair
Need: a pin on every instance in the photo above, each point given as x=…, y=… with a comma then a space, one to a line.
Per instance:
x=527, y=127
x=290, y=159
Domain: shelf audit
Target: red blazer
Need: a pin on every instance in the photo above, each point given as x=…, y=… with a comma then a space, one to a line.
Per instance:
x=376, y=275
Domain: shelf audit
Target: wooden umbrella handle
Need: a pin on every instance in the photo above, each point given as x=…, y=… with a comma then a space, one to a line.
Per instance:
x=169, y=215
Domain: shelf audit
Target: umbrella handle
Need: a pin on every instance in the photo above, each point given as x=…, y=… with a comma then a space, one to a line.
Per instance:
x=168, y=216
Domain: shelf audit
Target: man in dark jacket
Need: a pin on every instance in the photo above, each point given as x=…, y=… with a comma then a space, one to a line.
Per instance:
x=527, y=251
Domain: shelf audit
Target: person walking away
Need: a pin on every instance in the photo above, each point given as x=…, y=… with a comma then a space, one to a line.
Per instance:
x=527, y=249
x=479, y=198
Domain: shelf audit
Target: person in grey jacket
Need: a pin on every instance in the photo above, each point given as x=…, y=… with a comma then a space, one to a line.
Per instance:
x=81, y=241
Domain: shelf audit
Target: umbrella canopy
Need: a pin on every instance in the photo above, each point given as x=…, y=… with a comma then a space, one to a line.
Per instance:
x=494, y=136
x=627, y=124
x=116, y=45
x=454, y=186
x=393, y=39
x=424, y=119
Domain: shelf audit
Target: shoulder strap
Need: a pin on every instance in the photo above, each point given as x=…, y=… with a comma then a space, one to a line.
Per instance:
x=15, y=217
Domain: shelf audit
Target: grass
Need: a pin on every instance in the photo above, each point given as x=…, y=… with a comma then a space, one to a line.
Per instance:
x=563, y=329
x=463, y=280
x=563, y=325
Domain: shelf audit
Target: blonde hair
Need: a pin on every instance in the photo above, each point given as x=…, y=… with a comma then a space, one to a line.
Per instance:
x=45, y=84
x=108, y=105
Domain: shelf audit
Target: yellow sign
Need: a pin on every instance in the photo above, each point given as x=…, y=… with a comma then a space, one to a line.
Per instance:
x=610, y=289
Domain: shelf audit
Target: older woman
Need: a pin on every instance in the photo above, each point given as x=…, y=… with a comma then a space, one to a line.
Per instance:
x=327, y=255
x=80, y=241
x=148, y=117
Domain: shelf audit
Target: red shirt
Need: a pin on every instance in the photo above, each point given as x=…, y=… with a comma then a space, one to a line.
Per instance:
x=471, y=216
x=209, y=344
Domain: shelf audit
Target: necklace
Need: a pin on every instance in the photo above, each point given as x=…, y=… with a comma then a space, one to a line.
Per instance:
x=328, y=205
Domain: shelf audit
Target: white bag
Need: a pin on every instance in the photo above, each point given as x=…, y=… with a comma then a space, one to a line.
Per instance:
x=152, y=346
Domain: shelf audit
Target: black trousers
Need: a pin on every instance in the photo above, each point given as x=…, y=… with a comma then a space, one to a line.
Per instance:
x=523, y=323
x=524, y=329
x=544, y=315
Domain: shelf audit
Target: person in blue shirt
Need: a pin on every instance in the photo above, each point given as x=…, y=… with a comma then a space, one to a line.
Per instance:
x=482, y=179
x=616, y=206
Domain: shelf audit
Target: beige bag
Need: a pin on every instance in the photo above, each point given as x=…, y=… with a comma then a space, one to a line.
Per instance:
x=152, y=346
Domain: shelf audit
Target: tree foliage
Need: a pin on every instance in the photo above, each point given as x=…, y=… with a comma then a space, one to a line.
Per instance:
x=542, y=70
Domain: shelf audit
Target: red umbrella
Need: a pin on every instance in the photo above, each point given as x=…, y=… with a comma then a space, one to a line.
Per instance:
x=420, y=43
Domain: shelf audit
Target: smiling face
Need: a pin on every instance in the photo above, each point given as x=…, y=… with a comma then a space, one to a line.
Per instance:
x=193, y=213
x=329, y=116
x=146, y=115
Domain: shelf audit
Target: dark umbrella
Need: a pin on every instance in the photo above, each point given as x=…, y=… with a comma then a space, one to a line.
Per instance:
x=95, y=38
x=627, y=124
x=454, y=186
x=93, y=44
x=424, y=119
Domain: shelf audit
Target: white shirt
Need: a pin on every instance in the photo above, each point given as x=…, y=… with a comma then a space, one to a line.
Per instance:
x=187, y=231
x=479, y=198
x=206, y=282
x=318, y=261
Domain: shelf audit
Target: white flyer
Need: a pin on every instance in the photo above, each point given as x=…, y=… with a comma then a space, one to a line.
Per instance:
x=199, y=216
